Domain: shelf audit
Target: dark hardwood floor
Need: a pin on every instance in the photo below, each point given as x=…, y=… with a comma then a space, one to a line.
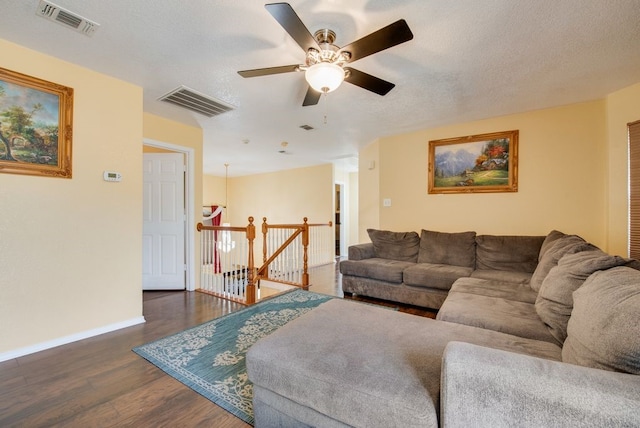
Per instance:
x=100, y=382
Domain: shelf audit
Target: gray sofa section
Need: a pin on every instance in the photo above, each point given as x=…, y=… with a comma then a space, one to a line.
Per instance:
x=420, y=270
x=487, y=387
x=561, y=348
x=363, y=366
x=485, y=304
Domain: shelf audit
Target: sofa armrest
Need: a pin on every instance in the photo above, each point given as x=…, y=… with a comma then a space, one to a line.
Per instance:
x=361, y=251
x=485, y=387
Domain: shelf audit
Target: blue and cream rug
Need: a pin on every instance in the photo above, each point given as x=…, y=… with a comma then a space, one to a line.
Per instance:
x=210, y=358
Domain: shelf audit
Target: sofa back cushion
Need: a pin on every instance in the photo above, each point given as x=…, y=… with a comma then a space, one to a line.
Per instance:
x=402, y=246
x=555, y=299
x=455, y=249
x=567, y=244
x=552, y=237
x=511, y=253
x=603, y=330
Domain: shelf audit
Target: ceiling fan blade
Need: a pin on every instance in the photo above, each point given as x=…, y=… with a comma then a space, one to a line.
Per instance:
x=267, y=71
x=389, y=36
x=368, y=82
x=311, y=98
x=290, y=21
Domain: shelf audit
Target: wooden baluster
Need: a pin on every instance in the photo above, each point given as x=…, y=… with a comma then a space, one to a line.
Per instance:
x=305, y=244
x=285, y=258
x=265, y=245
x=251, y=288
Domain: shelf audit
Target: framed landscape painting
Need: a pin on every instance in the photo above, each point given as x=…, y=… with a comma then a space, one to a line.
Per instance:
x=36, y=125
x=474, y=164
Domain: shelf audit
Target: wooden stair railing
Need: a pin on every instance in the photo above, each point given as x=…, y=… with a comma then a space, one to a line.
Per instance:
x=296, y=230
x=228, y=279
x=227, y=273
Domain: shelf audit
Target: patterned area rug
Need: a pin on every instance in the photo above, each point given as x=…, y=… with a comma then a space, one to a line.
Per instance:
x=210, y=358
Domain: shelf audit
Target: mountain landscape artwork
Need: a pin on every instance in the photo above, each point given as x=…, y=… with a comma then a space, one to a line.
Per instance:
x=477, y=163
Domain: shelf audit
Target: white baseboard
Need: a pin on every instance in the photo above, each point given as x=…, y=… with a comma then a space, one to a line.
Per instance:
x=68, y=339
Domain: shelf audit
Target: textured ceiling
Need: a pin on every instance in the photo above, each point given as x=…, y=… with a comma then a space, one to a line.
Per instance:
x=469, y=60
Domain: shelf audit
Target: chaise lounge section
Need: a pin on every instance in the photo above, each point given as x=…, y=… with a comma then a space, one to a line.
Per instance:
x=561, y=349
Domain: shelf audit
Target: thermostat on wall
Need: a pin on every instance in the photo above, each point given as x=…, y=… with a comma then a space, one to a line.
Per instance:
x=112, y=176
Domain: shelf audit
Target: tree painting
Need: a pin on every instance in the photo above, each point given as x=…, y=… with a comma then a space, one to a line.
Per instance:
x=478, y=163
x=29, y=122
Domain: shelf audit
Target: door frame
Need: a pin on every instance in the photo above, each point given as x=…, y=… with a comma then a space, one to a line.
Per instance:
x=190, y=228
x=344, y=216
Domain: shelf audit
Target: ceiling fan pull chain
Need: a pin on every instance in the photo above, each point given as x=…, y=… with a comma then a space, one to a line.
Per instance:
x=326, y=107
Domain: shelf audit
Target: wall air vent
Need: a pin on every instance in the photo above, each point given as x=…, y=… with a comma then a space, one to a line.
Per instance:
x=195, y=101
x=55, y=13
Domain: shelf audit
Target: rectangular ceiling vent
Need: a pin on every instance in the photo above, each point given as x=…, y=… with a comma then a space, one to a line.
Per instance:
x=55, y=13
x=195, y=101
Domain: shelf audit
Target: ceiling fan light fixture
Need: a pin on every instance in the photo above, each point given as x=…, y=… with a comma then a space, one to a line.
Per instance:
x=324, y=77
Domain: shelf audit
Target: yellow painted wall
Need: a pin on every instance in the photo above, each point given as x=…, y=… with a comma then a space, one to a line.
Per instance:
x=214, y=191
x=71, y=248
x=353, y=209
x=159, y=129
x=623, y=107
x=368, y=190
x=562, y=179
x=150, y=149
x=283, y=197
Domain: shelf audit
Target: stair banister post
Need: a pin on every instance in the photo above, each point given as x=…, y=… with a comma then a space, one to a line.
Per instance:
x=265, y=229
x=251, y=287
x=305, y=256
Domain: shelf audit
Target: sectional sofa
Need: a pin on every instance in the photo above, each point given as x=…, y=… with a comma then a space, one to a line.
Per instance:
x=561, y=348
x=420, y=269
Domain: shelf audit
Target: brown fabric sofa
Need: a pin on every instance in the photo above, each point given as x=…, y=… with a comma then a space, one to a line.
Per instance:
x=562, y=349
x=420, y=269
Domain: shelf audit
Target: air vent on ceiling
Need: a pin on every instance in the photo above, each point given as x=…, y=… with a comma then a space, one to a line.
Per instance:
x=195, y=101
x=306, y=127
x=55, y=13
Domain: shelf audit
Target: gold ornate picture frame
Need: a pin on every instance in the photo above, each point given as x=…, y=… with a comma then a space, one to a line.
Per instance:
x=481, y=163
x=36, y=126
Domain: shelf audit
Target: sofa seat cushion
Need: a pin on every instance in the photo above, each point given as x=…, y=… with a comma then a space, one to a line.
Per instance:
x=375, y=268
x=402, y=246
x=604, y=328
x=434, y=275
x=367, y=366
x=505, y=290
x=513, y=253
x=503, y=276
x=495, y=313
x=457, y=249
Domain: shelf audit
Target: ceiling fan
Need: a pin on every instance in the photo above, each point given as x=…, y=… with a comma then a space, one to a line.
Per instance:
x=325, y=62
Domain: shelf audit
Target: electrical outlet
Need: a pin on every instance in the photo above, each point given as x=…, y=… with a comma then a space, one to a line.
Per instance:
x=386, y=202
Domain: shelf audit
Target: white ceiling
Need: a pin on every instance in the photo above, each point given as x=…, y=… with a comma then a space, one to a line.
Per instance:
x=469, y=59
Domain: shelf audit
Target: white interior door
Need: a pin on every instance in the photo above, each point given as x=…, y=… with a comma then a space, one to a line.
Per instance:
x=163, y=232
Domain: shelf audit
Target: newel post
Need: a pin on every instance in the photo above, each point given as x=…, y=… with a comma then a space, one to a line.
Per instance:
x=251, y=286
x=265, y=229
x=305, y=256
